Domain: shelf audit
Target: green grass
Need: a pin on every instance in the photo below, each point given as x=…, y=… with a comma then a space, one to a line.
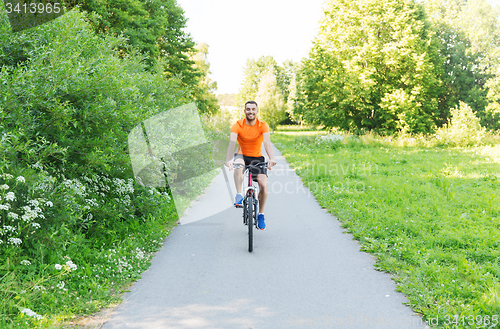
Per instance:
x=281, y=128
x=430, y=215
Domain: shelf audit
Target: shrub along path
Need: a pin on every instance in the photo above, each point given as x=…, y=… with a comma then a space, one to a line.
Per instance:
x=304, y=270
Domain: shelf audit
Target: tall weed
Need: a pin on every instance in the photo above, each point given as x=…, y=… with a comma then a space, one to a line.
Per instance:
x=463, y=129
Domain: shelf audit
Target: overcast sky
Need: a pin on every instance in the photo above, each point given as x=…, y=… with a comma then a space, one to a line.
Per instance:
x=237, y=30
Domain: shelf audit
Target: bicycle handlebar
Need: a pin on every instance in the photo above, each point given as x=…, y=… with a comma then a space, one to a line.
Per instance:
x=258, y=165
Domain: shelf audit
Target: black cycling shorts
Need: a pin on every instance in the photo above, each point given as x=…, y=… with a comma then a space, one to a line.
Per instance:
x=252, y=161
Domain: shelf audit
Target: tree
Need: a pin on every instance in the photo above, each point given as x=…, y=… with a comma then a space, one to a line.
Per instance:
x=374, y=65
x=252, y=74
x=204, y=92
x=270, y=98
x=469, y=35
x=284, y=76
x=155, y=27
x=292, y=100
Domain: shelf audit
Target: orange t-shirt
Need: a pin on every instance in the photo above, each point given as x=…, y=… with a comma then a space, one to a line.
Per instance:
x=250, y=137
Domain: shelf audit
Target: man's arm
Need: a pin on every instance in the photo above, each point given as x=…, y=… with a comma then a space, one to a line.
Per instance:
x=230, y=150
x=267, y=146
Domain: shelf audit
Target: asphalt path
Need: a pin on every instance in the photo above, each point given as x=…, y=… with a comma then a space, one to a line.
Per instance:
x=304, y=271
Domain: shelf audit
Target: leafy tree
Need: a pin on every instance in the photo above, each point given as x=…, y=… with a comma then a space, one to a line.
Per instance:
x=204, y=92
x=270, y=98
x=253, y=72
x=285, y=73
x=292, y=100
x=77, y=94
x=491, y=116
x=155, y=27
x=469, y=35
x=374, y=65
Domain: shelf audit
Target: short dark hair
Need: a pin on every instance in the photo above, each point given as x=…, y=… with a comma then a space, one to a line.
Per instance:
x=251, y=102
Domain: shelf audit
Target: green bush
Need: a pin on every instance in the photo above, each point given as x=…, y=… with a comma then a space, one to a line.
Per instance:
x=75, y=93
x=74, y=226
x=464, y=128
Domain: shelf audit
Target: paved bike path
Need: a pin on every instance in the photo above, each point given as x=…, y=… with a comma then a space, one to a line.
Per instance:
x=304, y=271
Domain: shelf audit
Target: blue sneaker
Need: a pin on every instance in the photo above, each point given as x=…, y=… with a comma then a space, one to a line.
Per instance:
x=238, y=201
x=261, y=225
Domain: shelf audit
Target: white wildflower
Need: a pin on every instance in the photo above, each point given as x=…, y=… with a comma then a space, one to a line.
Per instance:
x=37, y=166
x=7, y=176
x=4, y=206
x=29, y=216
x=123, y=186
x=60, y=285
x=58, y=266
x=9, y=228
x=25, y=262
x=92, y=202
x=71, y=265
x=330, y=138
x=126, y=200
x=4, y=187
x=20, y=179
x=32, y=314
x=48, y=204
x=140, y=253
x=33, y=203
x=15, y=241
x=10, y=196
x=39, y=288
x=36, y=225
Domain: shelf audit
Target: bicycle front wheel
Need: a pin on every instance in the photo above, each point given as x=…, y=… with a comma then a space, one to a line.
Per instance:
x=250, y=222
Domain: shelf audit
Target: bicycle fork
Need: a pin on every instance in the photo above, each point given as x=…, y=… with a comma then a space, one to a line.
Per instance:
x=250, y=191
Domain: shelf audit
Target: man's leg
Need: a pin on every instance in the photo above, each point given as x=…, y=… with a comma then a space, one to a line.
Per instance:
x=238, y=175
x=262, y=180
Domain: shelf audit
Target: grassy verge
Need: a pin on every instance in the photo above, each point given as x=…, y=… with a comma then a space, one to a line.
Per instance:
x=46, y=288
x=430, y=215
x=69, y=248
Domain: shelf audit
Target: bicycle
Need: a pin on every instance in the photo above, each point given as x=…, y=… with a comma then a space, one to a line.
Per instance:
x=250, y=199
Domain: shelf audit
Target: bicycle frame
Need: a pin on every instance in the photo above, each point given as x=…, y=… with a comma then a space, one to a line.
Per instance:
x=251, y=193
x=250, y=189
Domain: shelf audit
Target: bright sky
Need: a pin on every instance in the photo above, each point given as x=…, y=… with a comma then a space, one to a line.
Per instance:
x=237, y=30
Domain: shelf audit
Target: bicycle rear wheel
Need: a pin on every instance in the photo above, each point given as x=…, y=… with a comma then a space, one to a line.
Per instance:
x=250, y=221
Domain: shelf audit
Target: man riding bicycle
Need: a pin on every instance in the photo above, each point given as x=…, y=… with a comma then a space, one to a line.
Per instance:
x=250, y=133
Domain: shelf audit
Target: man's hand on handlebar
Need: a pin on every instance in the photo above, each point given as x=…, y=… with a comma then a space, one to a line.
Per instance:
x=229, y=164
x=271, y=163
